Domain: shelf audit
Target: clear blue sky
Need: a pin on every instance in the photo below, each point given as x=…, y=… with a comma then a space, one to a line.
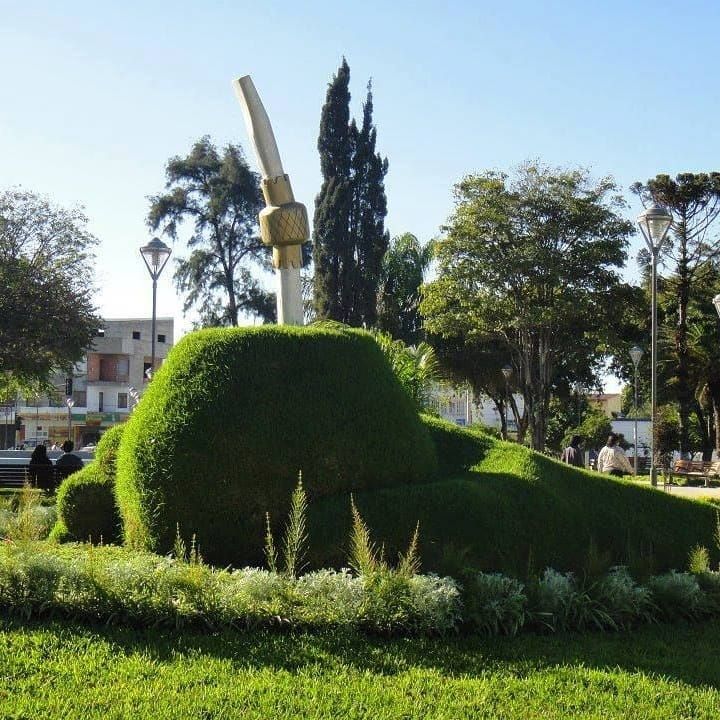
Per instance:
x=96, y=96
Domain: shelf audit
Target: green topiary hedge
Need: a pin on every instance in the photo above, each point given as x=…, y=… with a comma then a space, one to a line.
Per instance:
x=458, y=449
x=509, y=509
x=235, y=414
x=86, y=500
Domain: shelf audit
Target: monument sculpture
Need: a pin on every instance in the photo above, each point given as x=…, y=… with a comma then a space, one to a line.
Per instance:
x=283, y=222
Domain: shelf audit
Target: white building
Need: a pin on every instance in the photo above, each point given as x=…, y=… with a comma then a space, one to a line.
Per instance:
x=460, y=406
x=103, y=384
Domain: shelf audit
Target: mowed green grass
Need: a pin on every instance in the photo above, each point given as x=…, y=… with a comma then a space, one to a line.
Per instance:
x=61, y=670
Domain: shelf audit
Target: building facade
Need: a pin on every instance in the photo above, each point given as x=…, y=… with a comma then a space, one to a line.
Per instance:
x=105, y=385
x=460, y=406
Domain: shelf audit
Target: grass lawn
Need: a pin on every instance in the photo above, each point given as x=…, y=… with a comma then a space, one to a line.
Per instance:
x=62, y=670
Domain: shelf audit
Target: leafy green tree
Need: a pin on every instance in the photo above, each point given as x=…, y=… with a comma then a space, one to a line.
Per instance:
x=480, y=362
x=694, y=199
x=666, y=435
x=47, y=313
x=594, y=429
x=566, y=413
x=628, y=399
x=220, y=196
x=403, y=271
x=532, y=262
x=349, y=238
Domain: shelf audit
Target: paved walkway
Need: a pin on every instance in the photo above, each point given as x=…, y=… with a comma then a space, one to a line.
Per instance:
x=696, y=493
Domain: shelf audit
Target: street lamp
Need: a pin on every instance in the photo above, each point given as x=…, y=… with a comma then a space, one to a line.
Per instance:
x=636, y=354
x=155, y=254
x=507, y=372
x=70, y=404
x=654, y=224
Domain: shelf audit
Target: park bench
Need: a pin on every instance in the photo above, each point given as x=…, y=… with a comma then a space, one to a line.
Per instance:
x=698, y=469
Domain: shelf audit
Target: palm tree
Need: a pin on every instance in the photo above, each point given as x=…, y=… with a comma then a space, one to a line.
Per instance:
x=403, y=272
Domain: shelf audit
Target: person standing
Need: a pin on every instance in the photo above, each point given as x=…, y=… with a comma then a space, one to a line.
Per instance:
x=573, y=454
x=612, y=459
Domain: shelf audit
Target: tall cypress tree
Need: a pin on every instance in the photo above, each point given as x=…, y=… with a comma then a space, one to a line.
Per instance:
x=349, y=238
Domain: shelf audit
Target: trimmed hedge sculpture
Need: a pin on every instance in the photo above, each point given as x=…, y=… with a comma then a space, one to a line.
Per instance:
x=235, y=414
x=501, y=507
x=86, y=499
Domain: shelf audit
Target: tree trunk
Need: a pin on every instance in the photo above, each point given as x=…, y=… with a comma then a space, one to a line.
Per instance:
x=703, y=430
x=536, y=367
x=521, y=422
x=714, y=391
x=682, y=371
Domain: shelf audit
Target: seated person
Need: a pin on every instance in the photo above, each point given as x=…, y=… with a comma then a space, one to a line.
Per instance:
x=68, y=463
x=41, y=469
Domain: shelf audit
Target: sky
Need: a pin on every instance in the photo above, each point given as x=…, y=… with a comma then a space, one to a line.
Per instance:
x=96, y=96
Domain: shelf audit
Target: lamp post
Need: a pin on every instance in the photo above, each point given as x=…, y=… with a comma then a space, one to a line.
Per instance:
x=155, y=254
x=654, y=224
x=70, y=404
x=507, y=372
x=636, y=354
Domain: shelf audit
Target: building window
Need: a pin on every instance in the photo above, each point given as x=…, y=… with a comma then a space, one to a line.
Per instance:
x=122, y=401
x=80, y=398
x=161, y=338
x=146, y=366
x=108, y=370
x=100, y=401
x=123, y=369
x=136, y=334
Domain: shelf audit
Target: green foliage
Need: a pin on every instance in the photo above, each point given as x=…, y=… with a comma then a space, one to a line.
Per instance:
x=500, y=503
x=699, y=560
x=45, y=256
x=349, y=238
x=86, y=504
x=626, y=603
x=115, y=585
x=691, y=246
x=234, y=414
x=364, y=556
x=416, y=367
x=465, y=359
x=107, y=450
x=220, y=196
x=295, y=541
x=86, y=507
x=409, y=561
x=458, y=449
x=666, y=435
x=527, y=261
x=493, y=604
x=271, y=556
x=594, y=429
x=403, y=270
x=677, y=595
x=24, y=518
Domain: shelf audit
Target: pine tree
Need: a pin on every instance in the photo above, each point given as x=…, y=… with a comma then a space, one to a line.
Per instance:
x=349, y=238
